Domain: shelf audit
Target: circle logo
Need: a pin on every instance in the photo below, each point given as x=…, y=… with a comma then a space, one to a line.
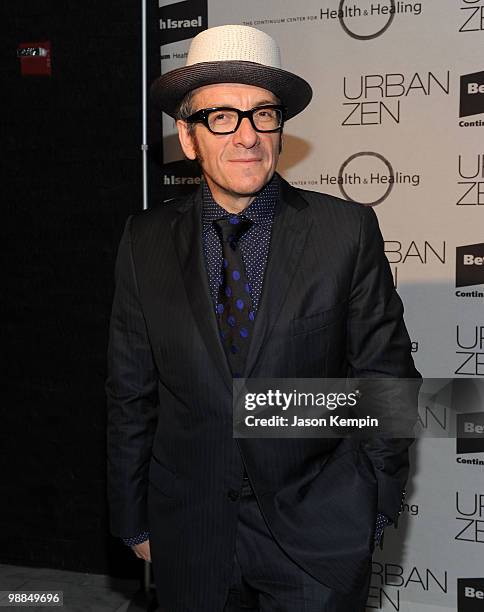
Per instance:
x=343, y=13
x=371, y=181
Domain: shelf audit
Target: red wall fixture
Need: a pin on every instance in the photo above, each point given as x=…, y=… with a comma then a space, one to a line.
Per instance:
x=35, y=58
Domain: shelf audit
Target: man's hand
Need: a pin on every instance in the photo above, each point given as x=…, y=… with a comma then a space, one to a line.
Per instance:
x=142, y=551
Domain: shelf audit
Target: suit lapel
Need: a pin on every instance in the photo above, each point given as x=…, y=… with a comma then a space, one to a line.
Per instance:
x=289, y=232
x=187, y=235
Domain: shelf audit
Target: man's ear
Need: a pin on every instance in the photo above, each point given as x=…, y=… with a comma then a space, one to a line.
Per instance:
x=186, y=140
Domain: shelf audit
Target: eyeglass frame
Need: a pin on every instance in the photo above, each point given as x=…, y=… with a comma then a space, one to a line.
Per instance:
x=201, y=116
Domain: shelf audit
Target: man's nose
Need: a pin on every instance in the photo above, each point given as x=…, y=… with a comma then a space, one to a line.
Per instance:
x=246, y=135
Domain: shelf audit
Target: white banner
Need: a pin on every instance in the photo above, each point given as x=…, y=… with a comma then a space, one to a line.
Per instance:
x=397, y=122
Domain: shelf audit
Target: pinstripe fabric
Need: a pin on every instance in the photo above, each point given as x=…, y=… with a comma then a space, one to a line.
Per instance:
x=328, y=308
x=266, y=579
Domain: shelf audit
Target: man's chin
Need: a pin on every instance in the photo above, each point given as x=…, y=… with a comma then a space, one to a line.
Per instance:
x=250, y=187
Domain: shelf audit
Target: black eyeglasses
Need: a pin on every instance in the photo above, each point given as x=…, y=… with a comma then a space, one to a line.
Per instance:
x=226, y=120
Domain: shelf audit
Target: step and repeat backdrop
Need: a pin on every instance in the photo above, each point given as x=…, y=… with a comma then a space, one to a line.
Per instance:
x=396, y=123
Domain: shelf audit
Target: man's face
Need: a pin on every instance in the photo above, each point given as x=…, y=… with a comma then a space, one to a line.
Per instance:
x=236, y=166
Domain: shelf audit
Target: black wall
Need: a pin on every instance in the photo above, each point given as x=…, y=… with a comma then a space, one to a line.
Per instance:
x=72, y=160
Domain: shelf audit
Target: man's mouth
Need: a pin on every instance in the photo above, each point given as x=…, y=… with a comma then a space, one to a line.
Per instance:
x=245, y=161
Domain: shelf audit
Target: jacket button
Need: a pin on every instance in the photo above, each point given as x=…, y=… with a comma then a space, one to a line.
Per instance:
x=233, y=495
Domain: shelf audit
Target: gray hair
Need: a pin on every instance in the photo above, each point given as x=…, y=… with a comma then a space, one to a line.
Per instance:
x=185, y=109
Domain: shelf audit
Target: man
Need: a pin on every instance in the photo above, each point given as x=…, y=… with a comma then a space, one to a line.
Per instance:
x=247, y=277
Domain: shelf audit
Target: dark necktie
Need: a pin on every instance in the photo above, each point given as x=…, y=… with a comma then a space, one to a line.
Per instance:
x=234, y=306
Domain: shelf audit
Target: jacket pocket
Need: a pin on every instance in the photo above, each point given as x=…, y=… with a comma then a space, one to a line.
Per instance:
x=162, y=479
x=318, y=320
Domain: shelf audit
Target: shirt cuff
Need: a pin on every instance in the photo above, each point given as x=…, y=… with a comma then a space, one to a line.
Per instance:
x=139, y=539
x=382, y=521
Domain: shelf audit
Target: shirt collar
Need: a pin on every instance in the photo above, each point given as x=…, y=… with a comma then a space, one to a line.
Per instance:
x=260, y=211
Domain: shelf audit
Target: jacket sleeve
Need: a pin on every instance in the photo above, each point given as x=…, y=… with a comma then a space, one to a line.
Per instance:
x=132, y=399
x=379, y=347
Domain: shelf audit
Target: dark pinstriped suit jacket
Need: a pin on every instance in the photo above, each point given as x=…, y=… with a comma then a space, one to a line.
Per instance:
x=328, y=309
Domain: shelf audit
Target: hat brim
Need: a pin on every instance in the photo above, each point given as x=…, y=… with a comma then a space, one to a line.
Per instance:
x=168, y=90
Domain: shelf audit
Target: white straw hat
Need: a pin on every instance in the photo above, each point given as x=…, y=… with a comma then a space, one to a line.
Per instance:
x=232, y=54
